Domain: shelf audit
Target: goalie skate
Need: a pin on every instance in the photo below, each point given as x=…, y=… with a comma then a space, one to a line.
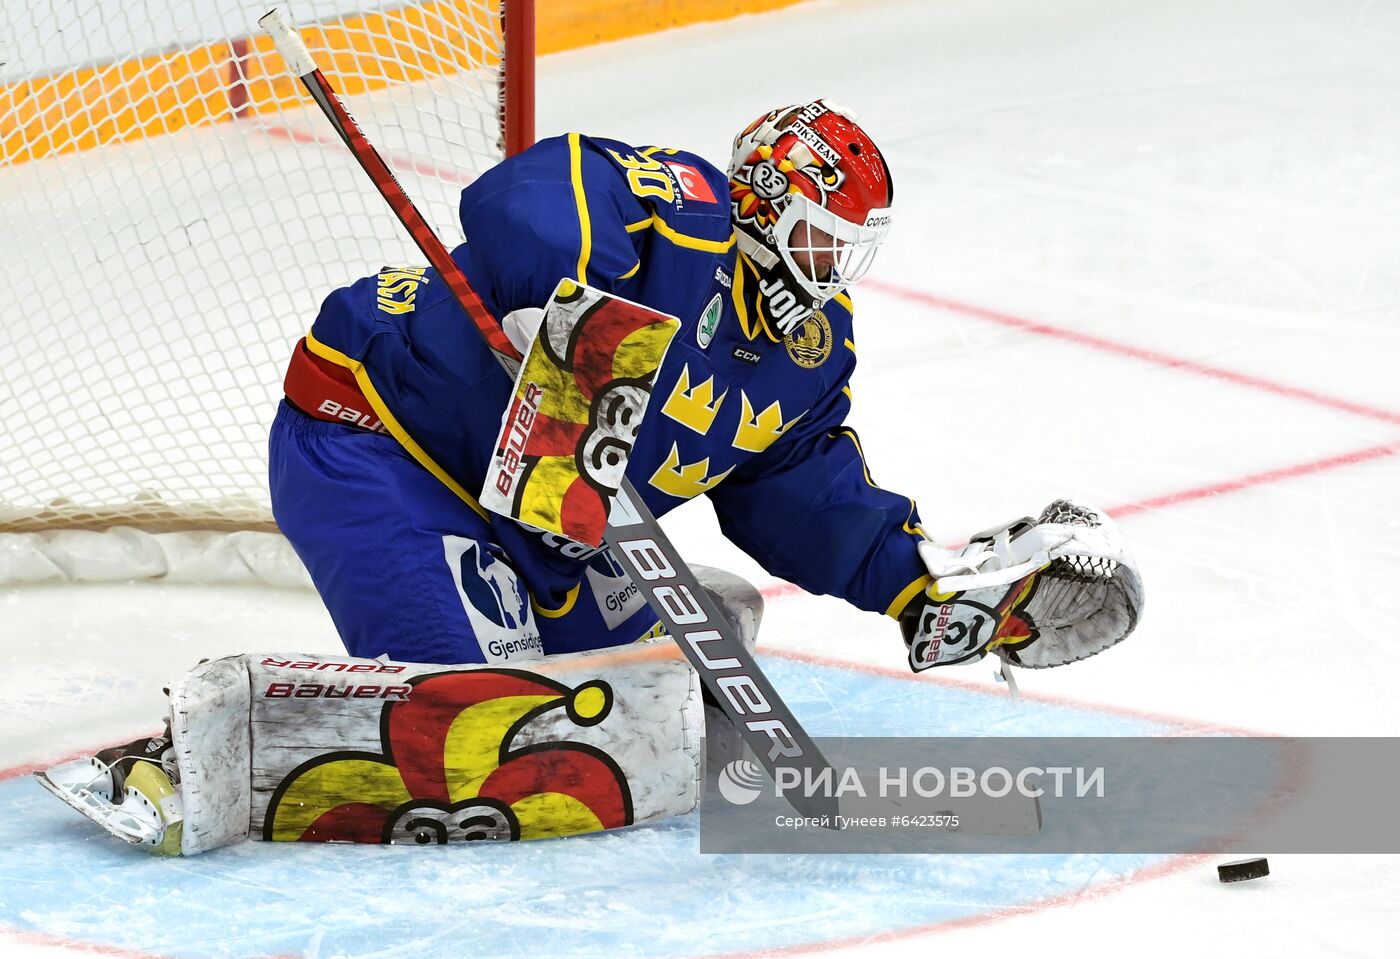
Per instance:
x=127, y=791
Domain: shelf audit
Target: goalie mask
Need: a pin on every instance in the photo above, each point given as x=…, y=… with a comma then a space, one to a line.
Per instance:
x=810, y=196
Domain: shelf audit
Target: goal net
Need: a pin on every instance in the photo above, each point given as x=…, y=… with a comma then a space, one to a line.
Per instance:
x=173, y=212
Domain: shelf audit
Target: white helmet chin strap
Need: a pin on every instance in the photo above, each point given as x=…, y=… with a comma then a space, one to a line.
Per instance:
x=760, y=253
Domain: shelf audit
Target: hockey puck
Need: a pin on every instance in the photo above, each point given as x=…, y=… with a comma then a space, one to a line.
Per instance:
x=1242, y=869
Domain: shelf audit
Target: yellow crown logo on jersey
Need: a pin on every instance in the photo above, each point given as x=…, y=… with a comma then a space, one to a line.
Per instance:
x=757, y=433
x=695, y=408
x=688, y=481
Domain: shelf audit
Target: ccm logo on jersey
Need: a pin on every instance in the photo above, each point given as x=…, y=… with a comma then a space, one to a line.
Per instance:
x=692, y=182
x=522, y=421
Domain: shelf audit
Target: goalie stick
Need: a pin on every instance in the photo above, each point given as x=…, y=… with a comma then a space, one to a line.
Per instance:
x=713, y=647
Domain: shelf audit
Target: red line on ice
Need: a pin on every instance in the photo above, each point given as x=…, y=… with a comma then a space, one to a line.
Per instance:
x=1262, y=478
x=780, y=590
x=1154, y=357
x=59, y=942
x=1175, y=864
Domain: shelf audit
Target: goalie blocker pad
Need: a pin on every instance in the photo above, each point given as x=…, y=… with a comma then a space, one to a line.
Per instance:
x=329, y=749
x=578, y=402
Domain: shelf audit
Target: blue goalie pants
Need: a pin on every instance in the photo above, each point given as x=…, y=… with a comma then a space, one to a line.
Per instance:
x=408, y=570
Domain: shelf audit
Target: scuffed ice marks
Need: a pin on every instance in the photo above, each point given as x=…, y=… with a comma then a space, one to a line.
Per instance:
x=643, y=891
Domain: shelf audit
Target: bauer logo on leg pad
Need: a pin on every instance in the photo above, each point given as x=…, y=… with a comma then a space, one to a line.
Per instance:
x=576, y=743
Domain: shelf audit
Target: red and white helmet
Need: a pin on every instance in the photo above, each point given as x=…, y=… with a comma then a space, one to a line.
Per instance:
x=811, y=198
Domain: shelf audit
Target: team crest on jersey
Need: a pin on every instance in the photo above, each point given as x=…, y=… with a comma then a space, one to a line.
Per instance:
x=810, y=344
x=709, y=320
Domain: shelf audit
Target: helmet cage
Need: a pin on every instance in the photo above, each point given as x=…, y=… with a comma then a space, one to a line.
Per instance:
x=829, y=240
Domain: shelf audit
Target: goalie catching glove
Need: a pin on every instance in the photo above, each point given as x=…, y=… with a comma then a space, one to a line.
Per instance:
x=1038, y=593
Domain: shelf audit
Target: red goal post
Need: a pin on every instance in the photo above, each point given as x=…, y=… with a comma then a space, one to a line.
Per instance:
x=158, y=181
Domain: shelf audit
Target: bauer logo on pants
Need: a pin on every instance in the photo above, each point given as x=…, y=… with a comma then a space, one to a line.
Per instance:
x=494, y=599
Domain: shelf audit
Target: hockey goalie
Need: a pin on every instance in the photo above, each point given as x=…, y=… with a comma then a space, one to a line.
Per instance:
x=449, y=513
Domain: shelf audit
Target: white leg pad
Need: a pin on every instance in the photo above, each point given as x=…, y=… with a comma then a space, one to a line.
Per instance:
x=338, y=749
x=209, y=711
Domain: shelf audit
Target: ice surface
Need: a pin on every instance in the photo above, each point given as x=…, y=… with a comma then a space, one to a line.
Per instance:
x=1216, y=183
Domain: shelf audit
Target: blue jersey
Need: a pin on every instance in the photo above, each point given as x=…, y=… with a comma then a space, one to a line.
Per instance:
x=749, y=417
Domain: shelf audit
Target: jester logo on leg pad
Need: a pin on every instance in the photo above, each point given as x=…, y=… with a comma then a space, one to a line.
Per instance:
x=452, y=770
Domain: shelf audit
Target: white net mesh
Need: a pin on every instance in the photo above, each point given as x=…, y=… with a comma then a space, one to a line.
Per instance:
x=173, y=212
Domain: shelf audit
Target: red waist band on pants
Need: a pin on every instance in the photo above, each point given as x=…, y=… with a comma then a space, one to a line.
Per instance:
x=324, y=391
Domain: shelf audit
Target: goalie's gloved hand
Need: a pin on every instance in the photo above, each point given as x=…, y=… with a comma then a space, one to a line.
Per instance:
x=1038, y=593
